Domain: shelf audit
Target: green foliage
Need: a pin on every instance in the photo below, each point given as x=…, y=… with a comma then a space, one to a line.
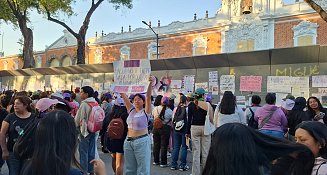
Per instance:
x=56, y=6
x=118, y=3
x=6, y=13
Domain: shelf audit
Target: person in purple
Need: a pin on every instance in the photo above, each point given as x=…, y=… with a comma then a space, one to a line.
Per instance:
x=271, y=119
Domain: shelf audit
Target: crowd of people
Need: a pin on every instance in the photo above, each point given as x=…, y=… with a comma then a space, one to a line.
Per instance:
x=52, y=133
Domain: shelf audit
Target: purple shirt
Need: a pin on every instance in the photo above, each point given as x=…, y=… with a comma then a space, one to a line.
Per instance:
x=137, y=120
x=277, y=122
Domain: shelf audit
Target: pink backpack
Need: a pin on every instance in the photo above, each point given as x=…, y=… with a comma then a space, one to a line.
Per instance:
x=96, y=117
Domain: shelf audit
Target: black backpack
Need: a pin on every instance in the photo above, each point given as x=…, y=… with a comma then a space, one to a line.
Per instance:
x=252, y=123
x=180, y=119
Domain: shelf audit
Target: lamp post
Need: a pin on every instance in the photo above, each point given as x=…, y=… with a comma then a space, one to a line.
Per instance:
x=157, y=37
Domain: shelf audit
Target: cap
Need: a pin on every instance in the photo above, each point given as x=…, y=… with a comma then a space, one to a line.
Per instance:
x=200, y=91
x=172, y=96
x=108, y=95
x=45, y=103
x=165, y=100
x=57, y=95
x=66, y=95
x=35, y=93
x=289, y=96
x=119, y=101
x=288, y=104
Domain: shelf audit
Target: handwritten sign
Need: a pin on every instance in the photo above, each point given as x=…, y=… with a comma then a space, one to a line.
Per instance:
x=77, y=83
x=227, y=83
x=319, y=81
x=131, y=76
x=213, y=82
x=300, y=87
x=250, y=83
x=322, y=90
x=189, y=83
x=203, y=85
x=176, y=84
x=280, y=84
x=87, y=82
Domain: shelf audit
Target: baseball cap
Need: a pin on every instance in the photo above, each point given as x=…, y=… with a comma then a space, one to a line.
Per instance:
x=200, y=91
x=288, y=104
x=45, y=103
x=119, y=101
x=172, y=96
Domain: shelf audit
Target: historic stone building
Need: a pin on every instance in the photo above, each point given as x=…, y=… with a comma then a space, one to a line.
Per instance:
x=238, y=26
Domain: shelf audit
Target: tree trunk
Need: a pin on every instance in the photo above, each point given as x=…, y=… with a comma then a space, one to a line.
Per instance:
x=81, y=49
x=317, y=8
x=28, y=58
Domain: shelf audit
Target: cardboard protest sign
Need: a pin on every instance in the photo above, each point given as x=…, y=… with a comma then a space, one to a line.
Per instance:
x=176, y=84
x=281, y=84
x=227, y=83
x=203, y=85
x=250, y=83
x=131, y=76
x=213, y=82
x=319, y=81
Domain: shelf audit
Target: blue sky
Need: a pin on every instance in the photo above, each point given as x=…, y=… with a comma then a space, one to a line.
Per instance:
x=110, y=20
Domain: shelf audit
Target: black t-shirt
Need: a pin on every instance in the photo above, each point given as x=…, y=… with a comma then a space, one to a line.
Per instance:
x=196, y=116
x=3, y=115
x=16, y=128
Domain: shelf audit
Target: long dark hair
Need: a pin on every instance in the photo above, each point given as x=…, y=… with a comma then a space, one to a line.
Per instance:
x=237, y=149
x=300, y=104
x=157, y=100
x=55, y=145
x=310, y=110
x=228, y=103
x=318, y=131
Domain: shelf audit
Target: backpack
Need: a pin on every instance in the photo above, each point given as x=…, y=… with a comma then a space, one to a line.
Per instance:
x=157, y=123
x=252, y=123
x=179, y=118
x=96, y=117
x=115, y=128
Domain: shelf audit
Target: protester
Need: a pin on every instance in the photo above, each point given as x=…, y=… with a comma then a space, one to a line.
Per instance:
x=3, y=115
x=239, y=150
x=250, y=111
x=314, y=135
x=161, y=131
x=106, y=105
x=63, y=105
x=55, y=159
x=271, y=119
x=73, y=98
x=12, y=127
x=78, y=97
x=287, y=105
x=197, y=114
x=73, y=106
x=157, y=101
x=137, y=146
x=315, y=110
x=45, y=105
x=116, y=145
x=87, y=143
x=179, y=128
x=296, y=116
x=228, y=111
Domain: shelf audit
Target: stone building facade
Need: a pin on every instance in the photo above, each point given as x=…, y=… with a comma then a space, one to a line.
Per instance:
x=238, y=26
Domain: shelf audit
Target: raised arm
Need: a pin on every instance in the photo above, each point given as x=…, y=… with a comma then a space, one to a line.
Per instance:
x=148, y=107
x=128, y=104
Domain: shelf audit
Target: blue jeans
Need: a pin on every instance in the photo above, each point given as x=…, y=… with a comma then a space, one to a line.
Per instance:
x=179, y=140
x=14, y=165
x=87, y=152
x=137, y=156
x=278, y=134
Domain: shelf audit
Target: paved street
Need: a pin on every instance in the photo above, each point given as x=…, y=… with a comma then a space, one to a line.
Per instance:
x=155, y=170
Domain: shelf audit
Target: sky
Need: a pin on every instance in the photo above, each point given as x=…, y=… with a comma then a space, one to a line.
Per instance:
x=108, y=19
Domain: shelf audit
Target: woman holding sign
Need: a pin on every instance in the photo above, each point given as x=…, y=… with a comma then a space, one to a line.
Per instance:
x=137, y=146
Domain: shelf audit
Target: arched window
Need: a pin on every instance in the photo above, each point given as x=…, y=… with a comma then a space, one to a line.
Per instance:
x=98, y=56
x=305, y=33
x=16, y=64
x=200, y=45
x=152, y=51
x=54, y=63
x=125, y=53
x=66, y=61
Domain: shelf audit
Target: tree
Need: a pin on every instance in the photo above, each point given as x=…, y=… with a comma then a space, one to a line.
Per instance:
x=317, y=8
x=52, y=8
x=16, y=12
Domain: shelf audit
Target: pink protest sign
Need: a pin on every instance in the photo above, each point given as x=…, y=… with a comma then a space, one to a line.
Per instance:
x=250, y=83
